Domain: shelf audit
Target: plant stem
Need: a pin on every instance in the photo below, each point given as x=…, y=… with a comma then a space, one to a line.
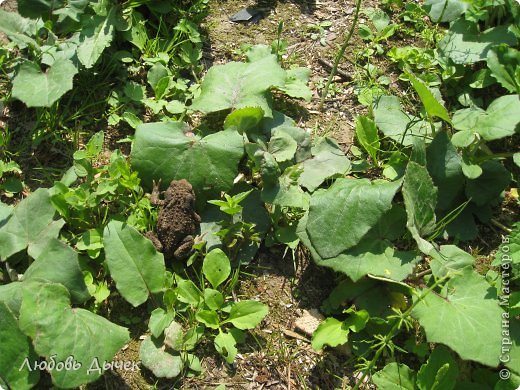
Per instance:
x=340, y=55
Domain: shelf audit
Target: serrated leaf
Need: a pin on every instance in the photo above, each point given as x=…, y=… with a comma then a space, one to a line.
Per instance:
x=216, y=267
x=395, y=376
x=468, y=309
x=440, y=371
x=57, y=262
x=163, y=151
x=30, y=223
x=340, y=216
x=494, y=123
x=247, y=314
x=396, y=124
x=161, y=363
x=134, y=264
x=37, y=88
x=237, y=85
x=16, y=347
x=328, y=160
x=95, y=36
x=465, y=44
x=46, y=316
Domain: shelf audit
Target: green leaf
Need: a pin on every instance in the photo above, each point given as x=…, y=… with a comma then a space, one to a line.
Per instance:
x=504, y=63
x=440, y=372
x=366, y=133
x=463, y=139
x=38, y=8
x=285, y=191
x=225, y=344
x=329, y=332
x=30, y=223
x=328, y=160
x=494, y=123
x=340, y=216
x=16, y=347
x=59, y=330
x=95, y=36
x=237, y=85
x=41, y=89
x=444, y=166
x=445, y=10
x=449, y=258
x=467, y=309
x=396, y=124
x=134, y=264
x=159, y=320
x=420, y=199
x=208, y=318
x=371, y=255
x=489, y=185
x=395, y=376
x=188, y=292
x=57, y=262
x=282, y=146
x=173, y=336
x=465, y=44
x=156, y=359
x=20, y=30
x=213, y=298
x=163, y=151
x=516, y=159
x=296, y=83
x=244, y=119
x=429, y=101
x=247, y=314
x=216, y=267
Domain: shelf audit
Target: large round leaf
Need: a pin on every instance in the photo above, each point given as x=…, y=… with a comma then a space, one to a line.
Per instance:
x=238, y=85
x=37, y=88
x=340, y=216
x=59, y=331
x=468, y=310
x=155, y=358
x=164, y=151
x=30, y=223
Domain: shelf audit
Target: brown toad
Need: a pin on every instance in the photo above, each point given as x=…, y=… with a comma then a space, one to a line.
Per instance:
x=177, y=221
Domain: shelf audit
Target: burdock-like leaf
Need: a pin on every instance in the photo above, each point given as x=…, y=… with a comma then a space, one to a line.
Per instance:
x=59, y=331
x=238, y=85
x=37, y=88
x=210, y=164
x=340, y=216
x=30, y=223
x=467, y=309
